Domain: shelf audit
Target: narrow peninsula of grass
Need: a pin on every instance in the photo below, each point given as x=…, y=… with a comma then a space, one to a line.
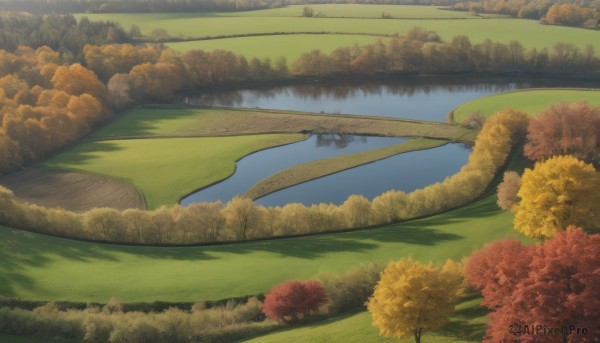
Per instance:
x=167, y=168
x=467, y=324
x=180, y=121
x=531, y=101
x=316, y=169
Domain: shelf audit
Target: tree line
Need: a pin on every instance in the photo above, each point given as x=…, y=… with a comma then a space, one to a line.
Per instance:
x=142, y=6
x=240, y=219
x=554, y=12
x=60, y=32
x=423, y=51
x=327, y=294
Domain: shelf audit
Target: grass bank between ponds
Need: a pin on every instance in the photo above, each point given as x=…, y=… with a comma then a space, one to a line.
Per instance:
x=316, y=169
x=184, y=121
x=531, y=101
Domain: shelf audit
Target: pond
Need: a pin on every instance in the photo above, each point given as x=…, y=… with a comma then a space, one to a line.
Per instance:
x=406, y=172
x=411, y=98
x=262, y=164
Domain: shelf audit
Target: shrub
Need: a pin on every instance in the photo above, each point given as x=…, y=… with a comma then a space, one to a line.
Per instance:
x=293, y=300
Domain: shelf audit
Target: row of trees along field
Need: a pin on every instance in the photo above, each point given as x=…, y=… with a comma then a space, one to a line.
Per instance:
x=554, y=12
x=62, y=33
x=141, y=6
x=240, y=219
x=290, y=302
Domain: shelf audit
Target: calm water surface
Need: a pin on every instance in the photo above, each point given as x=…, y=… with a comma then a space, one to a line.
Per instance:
x=262, y=164
x=428, y=99
x=405, y=172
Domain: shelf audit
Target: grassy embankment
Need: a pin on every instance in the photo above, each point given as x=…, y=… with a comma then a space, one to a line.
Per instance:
x=39, y=267
x=316, y=169
x=201, y=25
x=531, y=101
x=164, y=169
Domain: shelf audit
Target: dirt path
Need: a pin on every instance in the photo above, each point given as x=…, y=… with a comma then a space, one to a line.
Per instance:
x=76, y=192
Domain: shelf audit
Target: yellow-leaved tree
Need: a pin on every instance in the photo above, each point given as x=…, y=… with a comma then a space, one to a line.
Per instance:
x=556, y=193
x=411, y=297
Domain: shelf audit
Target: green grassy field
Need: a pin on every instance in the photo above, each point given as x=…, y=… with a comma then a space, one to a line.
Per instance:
x=193, y=25
x=467, y=324
x=316, y=169
x=531, y=101
x=39, y=267
x=288, y=46
x=358, y=11
x=168, y=168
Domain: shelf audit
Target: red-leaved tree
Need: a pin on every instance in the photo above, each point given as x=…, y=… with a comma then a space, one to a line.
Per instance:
x=565, y=129
x=554, y=285
x=292, y=300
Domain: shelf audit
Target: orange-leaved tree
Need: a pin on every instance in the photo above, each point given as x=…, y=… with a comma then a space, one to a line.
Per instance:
x=411, y=297
x=559, y=192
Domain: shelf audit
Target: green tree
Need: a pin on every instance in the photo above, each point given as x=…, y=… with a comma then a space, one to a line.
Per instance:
x=411, y=297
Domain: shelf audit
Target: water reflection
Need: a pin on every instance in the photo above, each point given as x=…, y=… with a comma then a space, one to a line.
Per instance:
x=413, y=98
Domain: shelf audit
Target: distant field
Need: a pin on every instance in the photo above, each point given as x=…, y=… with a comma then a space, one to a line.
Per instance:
x=359, y=11
x=288, y=46
x=531, y=101
x=467, y=324
x=192, y=25
x=165, y=169
x=39, y=267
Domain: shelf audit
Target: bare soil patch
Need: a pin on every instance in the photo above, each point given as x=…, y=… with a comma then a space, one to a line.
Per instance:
x=76, y=192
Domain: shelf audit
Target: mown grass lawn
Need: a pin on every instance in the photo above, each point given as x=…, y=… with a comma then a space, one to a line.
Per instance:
x=165, y=169
x=531, y=101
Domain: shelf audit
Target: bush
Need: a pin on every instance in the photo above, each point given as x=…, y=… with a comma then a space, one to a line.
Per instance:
x=352, y=289
x=293, y=300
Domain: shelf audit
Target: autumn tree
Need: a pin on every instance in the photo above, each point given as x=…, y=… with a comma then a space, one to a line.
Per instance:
x=508, y=189
x=555, y=282
x=559, y=192
x=565, y=129
x=293, y=300
x=242, y=216
x=411, y=297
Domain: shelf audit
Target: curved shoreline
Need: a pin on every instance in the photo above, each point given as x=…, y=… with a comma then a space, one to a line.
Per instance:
x=317, y=169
